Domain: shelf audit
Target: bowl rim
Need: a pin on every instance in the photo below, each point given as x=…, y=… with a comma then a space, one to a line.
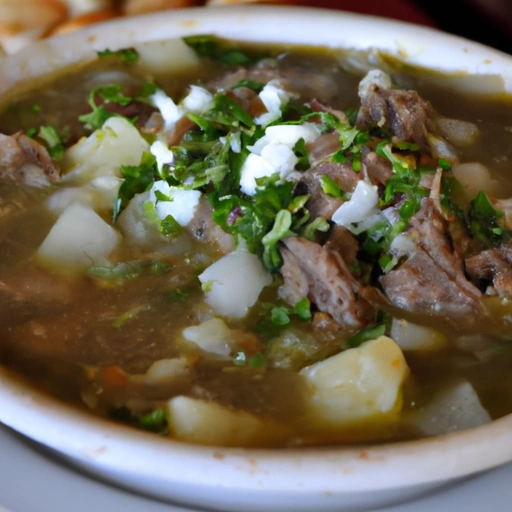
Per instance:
x=318, y=469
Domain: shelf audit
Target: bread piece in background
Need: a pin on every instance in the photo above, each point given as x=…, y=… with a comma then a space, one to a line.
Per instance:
x=23, y=21
x=83, y=20
x=78, y=8
x=132, y=7
x=232, y=2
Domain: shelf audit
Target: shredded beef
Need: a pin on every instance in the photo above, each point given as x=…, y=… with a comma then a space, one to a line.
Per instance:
x=343, y=242
x=25, y=160
x=313, y=271
x=432, y=279
x=493, y=265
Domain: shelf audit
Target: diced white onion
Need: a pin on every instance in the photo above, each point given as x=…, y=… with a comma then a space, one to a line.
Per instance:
x=254, y=167
x=402, y=245
x=183, y=203
x=361, y=205
x=162, y=154
x=197, y=100
x=274, y=97
x=236, y=281
x=171, y=113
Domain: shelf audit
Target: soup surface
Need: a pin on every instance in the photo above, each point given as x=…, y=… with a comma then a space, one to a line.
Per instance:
x=266, y=247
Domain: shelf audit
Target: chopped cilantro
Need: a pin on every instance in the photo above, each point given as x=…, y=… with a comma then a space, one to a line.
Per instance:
x=125, y=270
x=483, y=221
x=124, y=55
x=319, y=224
x=36, y=108
x=255, y=361
x=170, y=227
x=128, y=315
x=250, y=84
x=53, y=141
x=281, y=229
x=207, y=286
x=444, y=164
x=179, y=295
x=31, y=133
x=155, y=421
x=281, y=315
x=366, y=334
x=330, y=187
x=215, y=49
x=302, y=153
x=137, y=179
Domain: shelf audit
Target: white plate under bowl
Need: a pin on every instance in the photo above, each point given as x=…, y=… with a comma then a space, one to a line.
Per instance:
x=311, y=479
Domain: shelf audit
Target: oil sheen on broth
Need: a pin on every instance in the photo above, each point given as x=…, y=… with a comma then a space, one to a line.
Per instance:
x=269, y=247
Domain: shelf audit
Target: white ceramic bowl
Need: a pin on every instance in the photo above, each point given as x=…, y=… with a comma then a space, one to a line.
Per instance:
x=311, y=479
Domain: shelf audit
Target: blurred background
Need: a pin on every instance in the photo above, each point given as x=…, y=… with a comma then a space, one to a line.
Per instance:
x=486, y=21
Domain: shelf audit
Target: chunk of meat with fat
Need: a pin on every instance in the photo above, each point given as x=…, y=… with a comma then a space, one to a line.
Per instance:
x=313, y=271
x=493, y=265
x=402, y=112
x=432, y=279
x=320, y=204
x=24, y=160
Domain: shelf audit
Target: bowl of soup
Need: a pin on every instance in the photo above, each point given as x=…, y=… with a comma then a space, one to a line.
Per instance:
x=249, y=269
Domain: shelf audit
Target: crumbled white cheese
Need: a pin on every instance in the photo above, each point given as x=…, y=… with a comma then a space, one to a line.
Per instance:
x=171, y=113
x=274, y=97
x=254, y=167
x=361, y=205
x=235, y=283
x=182, y=205
x=273, y=153
x=162, y=154
x=288, y=135
x=402, y=245
x=197, y=100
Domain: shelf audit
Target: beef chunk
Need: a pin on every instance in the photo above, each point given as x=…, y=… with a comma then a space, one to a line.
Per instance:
x=493, y=265
x=137, y=110
x=320, y=204
x=376, y=168
x=24, y=160
x=432, y=279
x=321, y=274
x=343, y=242
x=404, y=113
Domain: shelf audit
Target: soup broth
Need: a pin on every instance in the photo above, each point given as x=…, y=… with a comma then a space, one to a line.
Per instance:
x=265, y=249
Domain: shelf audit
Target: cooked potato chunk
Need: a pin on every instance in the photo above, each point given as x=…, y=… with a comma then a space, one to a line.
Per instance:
x=358, y=383
x=197, y=421
x=234, y=283
x=103, y=152
x=78, y=240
